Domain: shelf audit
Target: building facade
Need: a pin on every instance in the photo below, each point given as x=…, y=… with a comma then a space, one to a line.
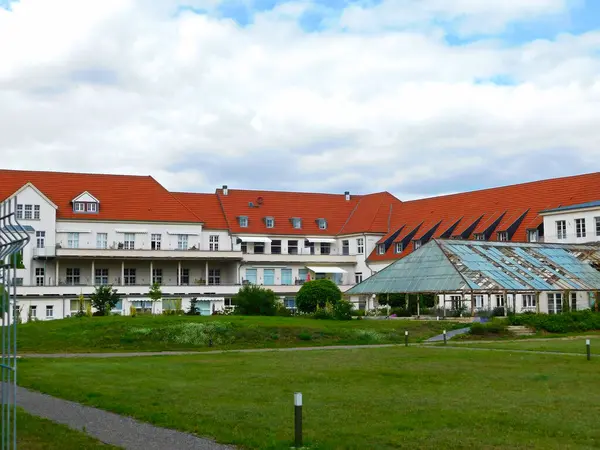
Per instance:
x=130, y=232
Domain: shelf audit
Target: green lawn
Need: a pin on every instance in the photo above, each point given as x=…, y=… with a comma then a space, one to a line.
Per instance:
x=35, y=433
x=567, y=345
x=161, y=333
x=384, y=398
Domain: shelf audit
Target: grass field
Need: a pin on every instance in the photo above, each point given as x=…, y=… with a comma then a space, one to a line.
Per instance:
x=575, y=344
x=385, y=398
x=162, y=333
x=34, y=433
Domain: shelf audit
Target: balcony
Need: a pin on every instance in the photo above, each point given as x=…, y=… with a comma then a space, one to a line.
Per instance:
x=120, y=253
x=46, y=252
x=303, y=256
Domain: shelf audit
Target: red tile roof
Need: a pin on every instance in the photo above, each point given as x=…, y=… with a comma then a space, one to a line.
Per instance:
x=205, y=206
x=491, y=203
x=122, y=197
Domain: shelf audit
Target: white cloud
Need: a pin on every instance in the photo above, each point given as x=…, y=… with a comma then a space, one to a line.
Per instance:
x=117, y=86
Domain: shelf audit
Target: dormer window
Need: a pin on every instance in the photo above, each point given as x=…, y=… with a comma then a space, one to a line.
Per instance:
x=479, y=237
x=270, y=222
x=86, y=203
x=532, y=235
x=297, y=222
x=322, y=224
x=381, y=249
x=418, y=244
x=503, y=236
x=243, y=220
x=399, y=247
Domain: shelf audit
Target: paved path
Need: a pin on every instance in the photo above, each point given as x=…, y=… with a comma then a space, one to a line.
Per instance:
x=108, y=427
x=536, y=352
x=449, y=335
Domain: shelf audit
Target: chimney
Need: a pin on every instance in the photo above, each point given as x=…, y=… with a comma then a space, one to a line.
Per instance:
x=225, y=190
x=347, y=194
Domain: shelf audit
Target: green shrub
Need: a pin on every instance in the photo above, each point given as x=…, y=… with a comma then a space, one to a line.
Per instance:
x=342, y=310
x=304, y=336
x=317, y=293
x=358, y=313
x=324, y=313
x=282, y=311
x=252, y=300
x=568, y=322
x=494, y=327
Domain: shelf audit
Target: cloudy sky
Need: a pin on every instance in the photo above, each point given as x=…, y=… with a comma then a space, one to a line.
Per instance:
x=417, y=97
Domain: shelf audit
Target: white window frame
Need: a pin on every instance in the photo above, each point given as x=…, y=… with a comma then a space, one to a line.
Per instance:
x=19, y=212
x=33, y=310
x=129, y=276
x=573, y=303
x=479, y=237
x=297, y=223
x=40, y=276
x=529, y=301
x=73, y=277
x=155, y=241
x=503, y=236
x=214, y=277
x=102, y=240
x=500, y=301
x=270, y=222
x=157, y=276
x=561, y=229
x=101, y=277
x=580, y=230
x=381, y=249
x=322, y=224
x=182, y=242
x=73, y=240
x=28, y=212
x=129, y=241
x=40, y=239
x=293, y=249
x=358, y=277
x=185, y=273
x=92, y=207
x=554, y=303
x=360, y=245
x=479, y=301
x=399, y=247
x=36, y=212
x=49, y=311
x=243, y=221
x=417, y=244
x=213, y=242
x=532, y=235
x=597, y=219
x=79, y=207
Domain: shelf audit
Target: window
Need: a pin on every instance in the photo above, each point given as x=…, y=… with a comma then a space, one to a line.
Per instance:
x=182, y=242
x=381, y=249
x=73, y=276
x=325, y=248
x=243, y=221
x=345, y=247
x=36, y=212
x=293, y=247
x=251, y=276
x=270, y=222
x=17, y=281
x=597, y=219
x=418, y=244
x=289, y=302
x=185, y=277
x=302, y=275
x=286, y=277
x=129, y=275
x=297, y=223
x=259, y=248
x=20, y=212
x=554, y=303
x=157, y=276
x=102, y=240
x=456, y=301
x=580, y=227
x=28, y=212
x=228, y=302
x=322, y=224
x=358, y=277
x=101, y=277
x=573, y=301
x=276, y=247
x=479, y=237
x=244, y=247
x=500, y=300
x=73, y=240
x=269, y=277
x=75, y=305
x=49, y=311
x=214, y=276
x=360, y=246
x=33, y=310
x=503, y=236
x=399, y=248
x=155, y=241
x=479, y=301
x=129, y=241
x=561, y=229
x=213, y=243
x=532, y=235
x=92, y=207
x=40, y=239
x=529, y=301
x=79, y=207
x=39, y=276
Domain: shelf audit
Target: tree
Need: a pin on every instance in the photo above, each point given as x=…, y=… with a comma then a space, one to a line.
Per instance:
x=317, y=293
x=155, y=294
x=252, y=300
x=193, y=311
x=104, y=298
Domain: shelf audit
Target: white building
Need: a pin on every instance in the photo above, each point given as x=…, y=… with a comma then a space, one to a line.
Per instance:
x=129, y=231
x=572, y=224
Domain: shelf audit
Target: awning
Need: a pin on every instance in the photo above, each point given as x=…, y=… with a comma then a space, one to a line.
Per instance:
x=324, y=240
x=253, y=239
x=129, y=231
x=17, y=229
x=187, y=233
x=325, y=269
x=73, y=231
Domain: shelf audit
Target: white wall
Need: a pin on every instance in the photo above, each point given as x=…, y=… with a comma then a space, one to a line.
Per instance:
x=550, y=234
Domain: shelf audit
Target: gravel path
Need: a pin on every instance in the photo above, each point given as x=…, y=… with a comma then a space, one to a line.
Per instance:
x=110, y=428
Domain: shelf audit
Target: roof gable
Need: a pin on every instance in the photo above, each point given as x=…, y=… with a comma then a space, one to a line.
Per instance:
x=32, y=186
x=85, y=197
